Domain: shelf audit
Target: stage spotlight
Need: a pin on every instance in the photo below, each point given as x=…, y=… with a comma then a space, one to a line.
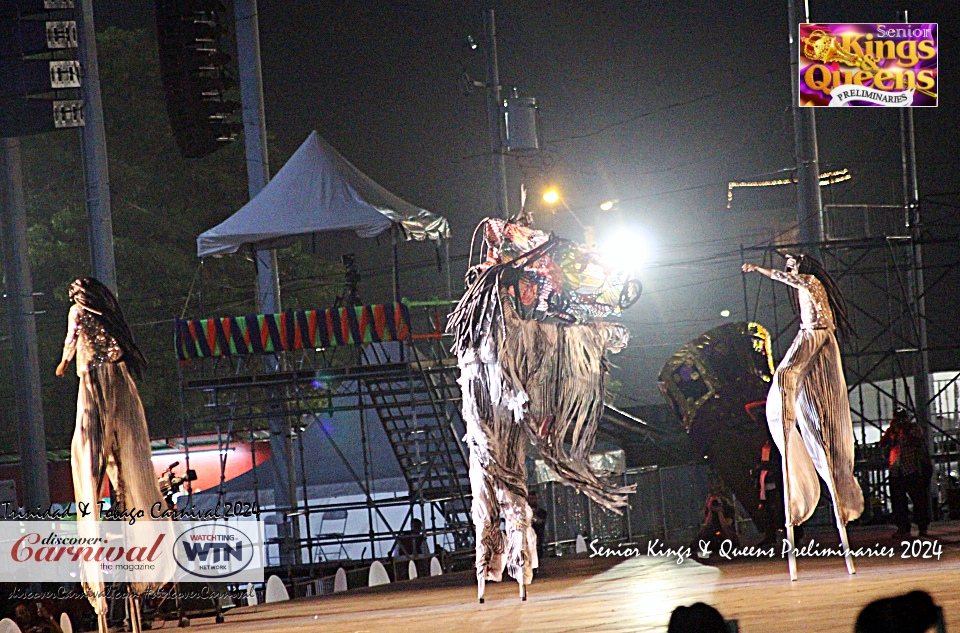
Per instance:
x=725, y=313
x=627, y=249
x=606, y=206
x=551, y=196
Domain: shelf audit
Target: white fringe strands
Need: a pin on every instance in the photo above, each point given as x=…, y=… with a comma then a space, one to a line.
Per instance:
x=523, y=377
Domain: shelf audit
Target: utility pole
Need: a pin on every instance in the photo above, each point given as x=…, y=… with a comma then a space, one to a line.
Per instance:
x=94, y=139
x=912, y=219
x=268, y=280
x=494, y=110
x=255, y=137
x=809, y=209
x=23, y=330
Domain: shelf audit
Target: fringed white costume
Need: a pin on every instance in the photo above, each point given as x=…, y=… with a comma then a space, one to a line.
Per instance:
x=111, y=438
x=524, y=379
x=809, y=393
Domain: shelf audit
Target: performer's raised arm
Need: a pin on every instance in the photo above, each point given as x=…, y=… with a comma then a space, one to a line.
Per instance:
x=70, y=343
x=799, y=282
x=790, y=276
x=753, y=268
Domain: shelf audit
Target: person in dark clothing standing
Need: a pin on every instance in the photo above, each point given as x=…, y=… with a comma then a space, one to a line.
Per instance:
x=539, y=522
x=910, y=472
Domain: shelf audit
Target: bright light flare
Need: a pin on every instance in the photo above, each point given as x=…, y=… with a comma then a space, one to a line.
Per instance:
x=606, y=206
x=551, y=196
x=724, y=313
x=627, y=249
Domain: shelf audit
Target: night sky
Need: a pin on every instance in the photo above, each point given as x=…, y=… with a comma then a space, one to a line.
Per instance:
x=656, y=105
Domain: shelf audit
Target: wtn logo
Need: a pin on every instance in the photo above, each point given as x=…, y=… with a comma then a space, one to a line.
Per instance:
x=221, y=551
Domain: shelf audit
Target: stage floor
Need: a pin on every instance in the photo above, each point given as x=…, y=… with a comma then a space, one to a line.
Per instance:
x=633, y=594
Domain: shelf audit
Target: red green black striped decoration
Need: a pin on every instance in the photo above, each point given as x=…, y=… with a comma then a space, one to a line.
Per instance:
x=290, y=330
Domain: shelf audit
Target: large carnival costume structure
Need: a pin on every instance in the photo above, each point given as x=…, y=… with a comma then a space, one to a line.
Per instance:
x=717, y=385
x=809, y=394
x=532, y=367
x=111, y=439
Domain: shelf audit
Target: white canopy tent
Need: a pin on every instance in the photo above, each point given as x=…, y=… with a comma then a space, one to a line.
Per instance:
x=318, y=191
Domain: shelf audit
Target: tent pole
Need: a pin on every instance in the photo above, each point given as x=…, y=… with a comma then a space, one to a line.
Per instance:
x=396, y=264
x=200, y=296
x=446, y=246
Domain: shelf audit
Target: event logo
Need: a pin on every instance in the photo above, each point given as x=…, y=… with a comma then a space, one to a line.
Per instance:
x=115, y=552
x=868, y=65
x=214, y=550
x=52, y=547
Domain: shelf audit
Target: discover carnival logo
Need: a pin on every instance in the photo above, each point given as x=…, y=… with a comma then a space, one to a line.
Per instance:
x=893, y=65
x=54, y=548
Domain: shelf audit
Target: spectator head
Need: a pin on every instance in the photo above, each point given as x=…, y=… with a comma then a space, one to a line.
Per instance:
x=914, y=612
x=697, y=618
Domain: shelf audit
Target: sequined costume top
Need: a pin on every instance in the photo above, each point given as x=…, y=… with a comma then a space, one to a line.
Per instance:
x=89, y=340
x=815, y=311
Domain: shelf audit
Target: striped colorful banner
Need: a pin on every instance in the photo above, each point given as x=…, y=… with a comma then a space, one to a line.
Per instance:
x=290, y=330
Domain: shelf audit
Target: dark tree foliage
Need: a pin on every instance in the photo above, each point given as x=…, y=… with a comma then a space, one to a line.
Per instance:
x=160, y=203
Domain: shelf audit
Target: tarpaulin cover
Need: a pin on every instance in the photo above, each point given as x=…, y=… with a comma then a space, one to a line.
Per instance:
x=290, y=330
x=318, y=191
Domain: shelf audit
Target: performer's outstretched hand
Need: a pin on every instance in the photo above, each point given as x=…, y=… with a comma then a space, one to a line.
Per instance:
x=62, y=368
x=753, y=268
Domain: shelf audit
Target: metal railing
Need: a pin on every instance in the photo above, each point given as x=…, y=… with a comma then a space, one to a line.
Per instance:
x=668, y=505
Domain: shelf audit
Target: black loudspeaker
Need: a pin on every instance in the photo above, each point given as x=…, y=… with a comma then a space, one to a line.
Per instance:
x=195, y=74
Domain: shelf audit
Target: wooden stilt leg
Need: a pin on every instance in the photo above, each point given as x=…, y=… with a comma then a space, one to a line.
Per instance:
x=481, y=584
x=523, y=591
x=133, y=611
x=791, y=555
x=841, y=528
x=847, y=556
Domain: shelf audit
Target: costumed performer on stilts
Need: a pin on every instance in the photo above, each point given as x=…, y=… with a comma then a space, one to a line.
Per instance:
x=525, y=379
x=111, y=437
x=809, y=393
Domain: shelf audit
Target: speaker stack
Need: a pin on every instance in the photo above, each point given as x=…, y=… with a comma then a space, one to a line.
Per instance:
x=195, y=74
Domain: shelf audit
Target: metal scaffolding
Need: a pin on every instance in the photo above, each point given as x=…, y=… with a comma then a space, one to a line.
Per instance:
x=877, y=272
x=406, y=386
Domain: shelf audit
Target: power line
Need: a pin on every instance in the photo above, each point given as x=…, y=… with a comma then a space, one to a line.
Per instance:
x=726, y=90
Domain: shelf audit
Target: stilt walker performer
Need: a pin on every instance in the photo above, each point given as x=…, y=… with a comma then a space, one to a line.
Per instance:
x=111, y=437
x=527, y=379
x=809, y=395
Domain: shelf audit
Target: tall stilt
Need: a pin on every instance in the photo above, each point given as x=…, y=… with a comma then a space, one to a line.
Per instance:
x=481, y=584
x=523, y=591
x=133, y=612
x=102, y=626
x=788, y=524
x=791, y=555
x=847, y=556
x=841, y=527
